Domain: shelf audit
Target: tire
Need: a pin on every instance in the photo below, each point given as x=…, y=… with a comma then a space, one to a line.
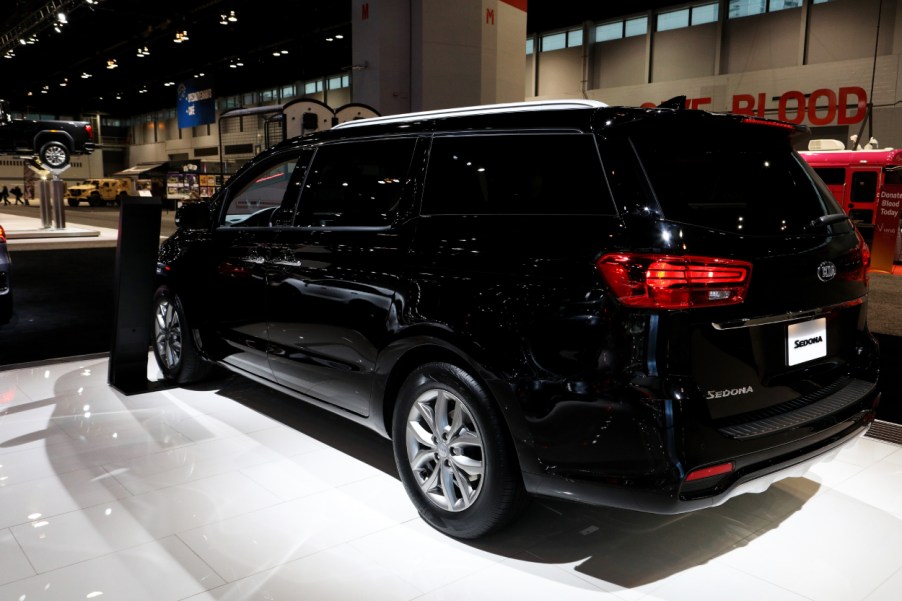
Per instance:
x=121, y=198
x=460, y=470
x=94, y=199
x=54, y=155
x=72, y=202
x=173, y=344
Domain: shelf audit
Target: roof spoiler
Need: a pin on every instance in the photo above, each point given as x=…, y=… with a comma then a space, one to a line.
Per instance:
x=676, y=103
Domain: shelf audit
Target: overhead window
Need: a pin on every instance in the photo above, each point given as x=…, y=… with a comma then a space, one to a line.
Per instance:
x=637, y=26
x=704, y=13
x=609, y=31
x=674, y=19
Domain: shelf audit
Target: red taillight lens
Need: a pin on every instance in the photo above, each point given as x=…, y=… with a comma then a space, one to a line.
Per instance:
x=2, y=234
x=865, y=251
x=675, y=282
x=90, y=131
x=708, y=472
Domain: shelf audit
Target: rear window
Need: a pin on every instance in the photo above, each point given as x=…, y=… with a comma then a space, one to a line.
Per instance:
x=522, y=174
x=740, y=178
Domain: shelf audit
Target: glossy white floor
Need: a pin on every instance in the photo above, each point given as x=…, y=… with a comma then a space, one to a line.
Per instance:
x=231, y=492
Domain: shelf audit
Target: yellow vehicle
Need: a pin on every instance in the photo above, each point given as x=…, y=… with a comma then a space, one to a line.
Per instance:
x=99, y=192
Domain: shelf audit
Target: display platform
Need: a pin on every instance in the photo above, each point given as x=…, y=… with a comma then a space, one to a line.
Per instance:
x=232, y=491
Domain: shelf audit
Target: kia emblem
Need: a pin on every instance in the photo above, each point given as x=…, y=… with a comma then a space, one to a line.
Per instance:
x=826, y=271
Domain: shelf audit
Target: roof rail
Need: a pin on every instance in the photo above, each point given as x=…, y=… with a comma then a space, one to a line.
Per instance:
x=487, y=109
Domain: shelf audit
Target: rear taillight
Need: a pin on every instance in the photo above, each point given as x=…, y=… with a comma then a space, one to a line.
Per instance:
x=710, y=472
x=854, y=265
x=675, y=282
x=90, y=131
x=2, y=234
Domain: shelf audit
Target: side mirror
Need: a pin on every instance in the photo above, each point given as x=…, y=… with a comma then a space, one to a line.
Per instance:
x=194, y=216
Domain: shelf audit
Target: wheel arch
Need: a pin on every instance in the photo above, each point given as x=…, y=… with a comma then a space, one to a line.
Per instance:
x=44, y=136
x=403, y=356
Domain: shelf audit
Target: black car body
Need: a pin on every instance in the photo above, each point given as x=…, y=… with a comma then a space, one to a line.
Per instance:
x=6, y=289
x=654, y=309
x=52, y=142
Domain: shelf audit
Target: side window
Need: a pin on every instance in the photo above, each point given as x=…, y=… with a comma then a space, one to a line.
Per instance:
x=892, y=176
x=516, y=174
x=261, y=195
x=864, y=186
x=355, y=183
x=832, y=176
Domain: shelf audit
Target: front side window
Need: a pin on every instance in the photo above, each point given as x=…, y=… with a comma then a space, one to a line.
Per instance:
x=521, y=174
x=263, y=193
x=356, y=183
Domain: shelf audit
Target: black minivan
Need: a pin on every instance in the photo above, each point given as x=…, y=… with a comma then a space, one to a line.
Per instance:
x=655, y=309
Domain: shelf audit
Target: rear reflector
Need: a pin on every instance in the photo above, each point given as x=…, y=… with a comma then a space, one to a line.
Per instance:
x=675, y=282
x=709, y=472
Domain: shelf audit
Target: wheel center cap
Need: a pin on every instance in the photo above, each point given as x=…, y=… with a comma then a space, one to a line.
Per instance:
x=443, y=450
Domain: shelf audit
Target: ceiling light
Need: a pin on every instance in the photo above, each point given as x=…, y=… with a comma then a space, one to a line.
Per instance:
x=232, y=17
x=111, y=64
x=169, y=83
x=65, y=82
x=338, y=36
x=86, y=75
x=181, y=36
x=61, y=17
x=142, y=52
x=330, y=39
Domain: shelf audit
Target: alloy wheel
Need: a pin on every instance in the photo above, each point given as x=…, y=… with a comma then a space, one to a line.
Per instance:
x=445, y=450
x=168, y=334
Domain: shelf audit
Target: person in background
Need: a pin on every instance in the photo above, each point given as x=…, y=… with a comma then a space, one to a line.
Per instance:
x=4, y=195
x=17, y=192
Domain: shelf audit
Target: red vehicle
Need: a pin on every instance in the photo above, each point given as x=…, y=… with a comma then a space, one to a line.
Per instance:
x=857, y=178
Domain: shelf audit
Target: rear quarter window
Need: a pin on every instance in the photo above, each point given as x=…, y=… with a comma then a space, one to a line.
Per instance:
x=521, y=174
x=738, y=178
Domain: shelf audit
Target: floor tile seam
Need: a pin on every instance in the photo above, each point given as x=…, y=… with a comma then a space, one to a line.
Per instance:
x=147, y=477
x=24, y=554
x=590, y=580
x=314, y=551
x=54, y=477
x=884, y=581
x=203, y=561
x=355, y=542
x=775, y=584
x=122, y=550
x=137, y=497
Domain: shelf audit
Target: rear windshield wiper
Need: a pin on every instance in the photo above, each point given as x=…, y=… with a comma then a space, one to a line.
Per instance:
x=826, y=220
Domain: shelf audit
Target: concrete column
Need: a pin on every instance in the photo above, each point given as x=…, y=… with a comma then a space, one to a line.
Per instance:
x=449, y=54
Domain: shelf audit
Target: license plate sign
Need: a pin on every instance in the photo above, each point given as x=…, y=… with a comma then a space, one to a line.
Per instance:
x=806, y=341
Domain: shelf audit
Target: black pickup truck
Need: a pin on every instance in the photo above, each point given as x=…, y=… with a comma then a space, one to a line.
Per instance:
x=52, y=142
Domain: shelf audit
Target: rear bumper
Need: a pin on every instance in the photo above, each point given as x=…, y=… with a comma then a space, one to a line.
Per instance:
x=755, y=475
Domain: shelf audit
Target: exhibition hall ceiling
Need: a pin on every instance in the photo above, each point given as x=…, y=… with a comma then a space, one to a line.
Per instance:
x=125, y=57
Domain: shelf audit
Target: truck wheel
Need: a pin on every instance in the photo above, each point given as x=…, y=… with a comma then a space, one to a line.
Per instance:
x=72, y=202
x=54, y=154
x=94, y=200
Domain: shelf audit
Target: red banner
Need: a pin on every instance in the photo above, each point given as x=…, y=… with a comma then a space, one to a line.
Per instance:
x=886, y=228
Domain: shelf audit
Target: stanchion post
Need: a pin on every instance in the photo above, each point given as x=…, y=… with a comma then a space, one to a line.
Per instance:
x=45, y=205
x=56, y=193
